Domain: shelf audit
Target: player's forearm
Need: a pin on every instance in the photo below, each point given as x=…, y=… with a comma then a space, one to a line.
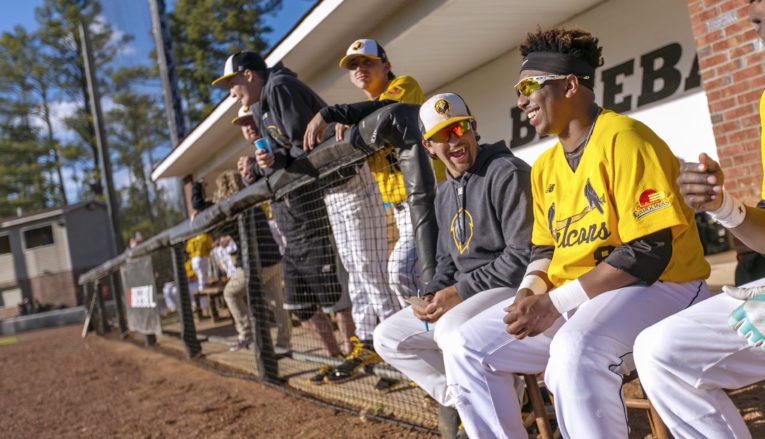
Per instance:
x=605, y=277
x=351, y=114
x=752, y=231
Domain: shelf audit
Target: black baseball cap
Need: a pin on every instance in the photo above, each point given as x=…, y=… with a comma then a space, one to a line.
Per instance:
x=237, y=63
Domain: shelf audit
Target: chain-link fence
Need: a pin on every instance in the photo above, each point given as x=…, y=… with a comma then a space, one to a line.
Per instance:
x=287, y=279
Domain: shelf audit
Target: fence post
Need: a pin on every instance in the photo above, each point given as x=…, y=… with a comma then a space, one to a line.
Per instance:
x=87, y=292
x=119, y=304
x=101, y=326
x=265, y=359
x=188, y=329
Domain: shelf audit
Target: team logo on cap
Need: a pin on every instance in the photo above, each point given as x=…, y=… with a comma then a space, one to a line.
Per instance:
x=357, y=45
x=442, y=107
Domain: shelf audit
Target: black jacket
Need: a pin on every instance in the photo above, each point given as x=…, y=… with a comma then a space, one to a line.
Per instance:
x=484, y=224
x=286, y=106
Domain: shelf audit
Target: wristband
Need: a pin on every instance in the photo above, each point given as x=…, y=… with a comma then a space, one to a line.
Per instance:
x=731, y=212
x=538, y=265
x=534, y=283
x=569, y=296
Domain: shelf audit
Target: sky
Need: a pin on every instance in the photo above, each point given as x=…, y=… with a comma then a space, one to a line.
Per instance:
x=132, y=16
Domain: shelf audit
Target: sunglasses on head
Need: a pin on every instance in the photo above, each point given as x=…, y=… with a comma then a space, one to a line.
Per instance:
x=533, y=83
x=459, y=129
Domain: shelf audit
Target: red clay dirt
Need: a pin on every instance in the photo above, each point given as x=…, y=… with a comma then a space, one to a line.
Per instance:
x=55, y=384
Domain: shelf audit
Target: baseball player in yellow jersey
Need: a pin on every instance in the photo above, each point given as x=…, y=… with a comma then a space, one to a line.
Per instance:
x=614, y=250
x=687, y=360
x=199, y=248
x=370, y=70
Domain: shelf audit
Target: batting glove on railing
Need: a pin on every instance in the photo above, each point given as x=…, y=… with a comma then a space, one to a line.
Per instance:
x=749, y=319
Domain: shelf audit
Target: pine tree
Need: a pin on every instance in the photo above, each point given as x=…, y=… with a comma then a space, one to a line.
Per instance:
x=58, y=31
x=26, y=163
x=204, y=33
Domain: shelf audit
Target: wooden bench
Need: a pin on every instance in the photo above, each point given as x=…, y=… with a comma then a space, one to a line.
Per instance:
x=658, y=429
x=214, y=293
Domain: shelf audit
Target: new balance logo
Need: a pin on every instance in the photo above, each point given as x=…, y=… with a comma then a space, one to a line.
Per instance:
x=550, y=188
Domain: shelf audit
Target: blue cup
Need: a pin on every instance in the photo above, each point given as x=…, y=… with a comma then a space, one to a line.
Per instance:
x=263, y=144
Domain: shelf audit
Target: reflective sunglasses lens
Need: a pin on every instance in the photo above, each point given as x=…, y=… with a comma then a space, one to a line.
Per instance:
x=528, y=86
x=459, y=129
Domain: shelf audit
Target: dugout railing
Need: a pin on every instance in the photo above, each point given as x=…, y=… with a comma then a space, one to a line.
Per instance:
x=161, y=263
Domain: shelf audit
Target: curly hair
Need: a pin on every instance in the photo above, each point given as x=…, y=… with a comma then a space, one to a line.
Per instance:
x=229, y=183
x=575, y=42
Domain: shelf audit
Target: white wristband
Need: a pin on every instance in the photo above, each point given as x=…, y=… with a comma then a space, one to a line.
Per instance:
x=731, y=213
x=569, y=296
x=538, y=265
x=534, y=283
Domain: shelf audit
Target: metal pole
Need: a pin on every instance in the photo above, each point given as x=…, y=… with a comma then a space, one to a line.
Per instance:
x=119, y=304
x=101, y=326
x=173, y=110
x=265, y=359
x=188, y=329
x=163, y=44
x=103, y=150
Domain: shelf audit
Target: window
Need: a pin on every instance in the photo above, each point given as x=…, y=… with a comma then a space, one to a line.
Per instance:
x=5, y=244
x=38, y=237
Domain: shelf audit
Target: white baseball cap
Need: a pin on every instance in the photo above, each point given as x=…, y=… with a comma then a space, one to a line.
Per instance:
x=244, y=114
x=363, y=48
x=442, y=110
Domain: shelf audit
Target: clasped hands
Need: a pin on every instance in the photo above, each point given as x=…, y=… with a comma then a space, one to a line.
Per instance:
x=530, y=314
x=438, y=304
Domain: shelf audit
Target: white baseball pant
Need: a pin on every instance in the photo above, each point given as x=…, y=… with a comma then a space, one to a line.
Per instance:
x=403, y=272
x=357, y=218
x=403, y=342
x=584, y=357
x=201, y=266
x=685, y=362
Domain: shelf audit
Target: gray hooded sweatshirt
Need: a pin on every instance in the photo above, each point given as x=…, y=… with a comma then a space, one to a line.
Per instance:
x=484, y=224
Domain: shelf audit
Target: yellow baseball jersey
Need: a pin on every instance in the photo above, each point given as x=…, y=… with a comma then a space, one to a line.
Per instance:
x=200, y=245
x=762, y=141
x=623, y=189
x=384, y=163
x=190, y=275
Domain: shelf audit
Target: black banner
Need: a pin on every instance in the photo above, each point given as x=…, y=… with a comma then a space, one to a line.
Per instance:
x=141, y=296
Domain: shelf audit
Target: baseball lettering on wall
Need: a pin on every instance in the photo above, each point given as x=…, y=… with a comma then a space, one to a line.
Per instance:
x=661, y=77
x=141, y=297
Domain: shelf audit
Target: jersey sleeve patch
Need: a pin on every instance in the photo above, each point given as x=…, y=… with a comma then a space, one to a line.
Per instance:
x=394, y=91
x=650, y=201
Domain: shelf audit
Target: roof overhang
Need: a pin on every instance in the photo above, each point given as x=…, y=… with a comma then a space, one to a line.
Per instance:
x=433, y=41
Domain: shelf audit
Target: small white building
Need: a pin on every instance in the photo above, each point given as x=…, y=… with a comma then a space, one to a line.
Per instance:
x=43, y=253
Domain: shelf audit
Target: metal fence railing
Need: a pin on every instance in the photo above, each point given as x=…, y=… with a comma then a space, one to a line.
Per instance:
x=287, y=278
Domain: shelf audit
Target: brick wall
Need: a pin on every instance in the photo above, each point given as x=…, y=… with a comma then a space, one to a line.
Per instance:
x=732, y=64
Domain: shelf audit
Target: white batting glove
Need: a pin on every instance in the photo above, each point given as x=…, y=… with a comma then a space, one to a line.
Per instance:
x=749, y=319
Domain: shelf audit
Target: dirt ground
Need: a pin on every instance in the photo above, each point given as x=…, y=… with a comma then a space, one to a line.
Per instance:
x=54, y=384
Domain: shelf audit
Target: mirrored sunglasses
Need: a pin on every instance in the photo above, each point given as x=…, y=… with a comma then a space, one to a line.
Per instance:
x=459, y=129
x=531, y=84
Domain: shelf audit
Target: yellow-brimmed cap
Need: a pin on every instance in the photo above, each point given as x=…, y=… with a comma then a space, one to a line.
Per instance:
x=243, y=114
x=363, y=48
x=442, y=110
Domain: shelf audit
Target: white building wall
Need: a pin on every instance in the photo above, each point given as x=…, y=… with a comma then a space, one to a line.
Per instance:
x=49, y=259
x=627, y=30
x=7, y=270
